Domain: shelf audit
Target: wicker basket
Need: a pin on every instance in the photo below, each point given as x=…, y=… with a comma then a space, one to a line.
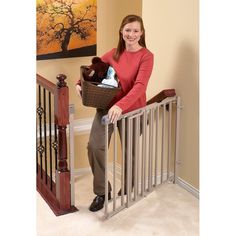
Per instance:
x=95, y=96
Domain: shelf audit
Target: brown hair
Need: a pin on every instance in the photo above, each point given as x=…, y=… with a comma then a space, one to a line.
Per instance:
x=121, y=44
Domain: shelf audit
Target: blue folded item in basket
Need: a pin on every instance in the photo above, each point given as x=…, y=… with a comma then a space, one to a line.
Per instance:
x=110, y=80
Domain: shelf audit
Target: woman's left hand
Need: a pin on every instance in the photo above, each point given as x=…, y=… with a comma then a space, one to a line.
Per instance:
x=114, y=113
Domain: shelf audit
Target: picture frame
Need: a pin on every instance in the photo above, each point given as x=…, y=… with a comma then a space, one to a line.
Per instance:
x=66, y=28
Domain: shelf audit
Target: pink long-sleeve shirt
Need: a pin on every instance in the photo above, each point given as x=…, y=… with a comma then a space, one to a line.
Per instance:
x=133, y=71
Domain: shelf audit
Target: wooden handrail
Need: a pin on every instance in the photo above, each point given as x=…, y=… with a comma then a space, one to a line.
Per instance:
x=162, y=95
x=46, y=83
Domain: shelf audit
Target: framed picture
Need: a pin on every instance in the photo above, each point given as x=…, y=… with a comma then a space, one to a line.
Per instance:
x=66, y=28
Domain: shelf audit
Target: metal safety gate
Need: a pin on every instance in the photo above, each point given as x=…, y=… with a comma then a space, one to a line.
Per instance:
x=144, y=157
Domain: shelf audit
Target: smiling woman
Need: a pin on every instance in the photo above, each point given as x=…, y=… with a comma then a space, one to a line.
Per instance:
x=133, y=63
x=130, y=22
x=66, y=28
x=131, y=34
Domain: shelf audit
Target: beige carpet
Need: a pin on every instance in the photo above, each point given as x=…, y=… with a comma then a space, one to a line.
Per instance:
x=168, y=211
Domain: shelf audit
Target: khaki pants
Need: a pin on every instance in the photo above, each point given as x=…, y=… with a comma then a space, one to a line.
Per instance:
x=96, y=152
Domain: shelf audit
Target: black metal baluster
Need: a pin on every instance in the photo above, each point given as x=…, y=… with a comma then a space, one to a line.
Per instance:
x=50, y=138
x=40, y=147
x=55, y=142
x=56, y=145
x=36, y=143
x=45, y=134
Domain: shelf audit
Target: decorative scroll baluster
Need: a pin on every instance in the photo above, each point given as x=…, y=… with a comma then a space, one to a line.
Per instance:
x=37, y=158
x=50, y=138
x=40, y=148
x=55, y=145
x=45, y=133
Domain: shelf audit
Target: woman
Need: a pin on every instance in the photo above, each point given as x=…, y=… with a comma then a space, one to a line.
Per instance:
x=133, y=64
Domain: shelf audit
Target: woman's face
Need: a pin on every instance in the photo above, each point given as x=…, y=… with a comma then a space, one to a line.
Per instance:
x=131, y=33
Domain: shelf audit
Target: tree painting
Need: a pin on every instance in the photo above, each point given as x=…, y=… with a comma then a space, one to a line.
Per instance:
x=66, y=28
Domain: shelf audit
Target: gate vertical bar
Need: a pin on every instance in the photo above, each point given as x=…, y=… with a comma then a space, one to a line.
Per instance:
x=156, y=146
x=123, y=162
x=128, y=162
x=144, y=128
x=114, y=165
x=135, y=157
x=106, y=170
x=163, y=141
x=150, y=151
x=169, y=140
x=138, y=153
x=131, y=157
x=176, y=157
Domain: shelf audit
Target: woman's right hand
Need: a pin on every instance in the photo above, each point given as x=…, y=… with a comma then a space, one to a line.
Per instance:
x=78, y=90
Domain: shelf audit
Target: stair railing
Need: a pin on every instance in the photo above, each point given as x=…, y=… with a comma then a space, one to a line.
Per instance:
x=53, y=176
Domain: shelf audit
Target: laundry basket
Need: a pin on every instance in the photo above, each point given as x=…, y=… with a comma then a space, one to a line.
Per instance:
x=96, y=96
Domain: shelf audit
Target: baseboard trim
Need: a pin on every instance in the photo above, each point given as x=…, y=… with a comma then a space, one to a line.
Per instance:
x=81, y=126
x=86, y=170
x=182, y=183
x=81, y=171
x=188, y=187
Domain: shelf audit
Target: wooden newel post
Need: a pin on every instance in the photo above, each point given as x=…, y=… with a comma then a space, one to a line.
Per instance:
x=63, y=189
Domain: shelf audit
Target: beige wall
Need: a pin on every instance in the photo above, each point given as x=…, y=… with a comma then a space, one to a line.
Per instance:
x=172, y=35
